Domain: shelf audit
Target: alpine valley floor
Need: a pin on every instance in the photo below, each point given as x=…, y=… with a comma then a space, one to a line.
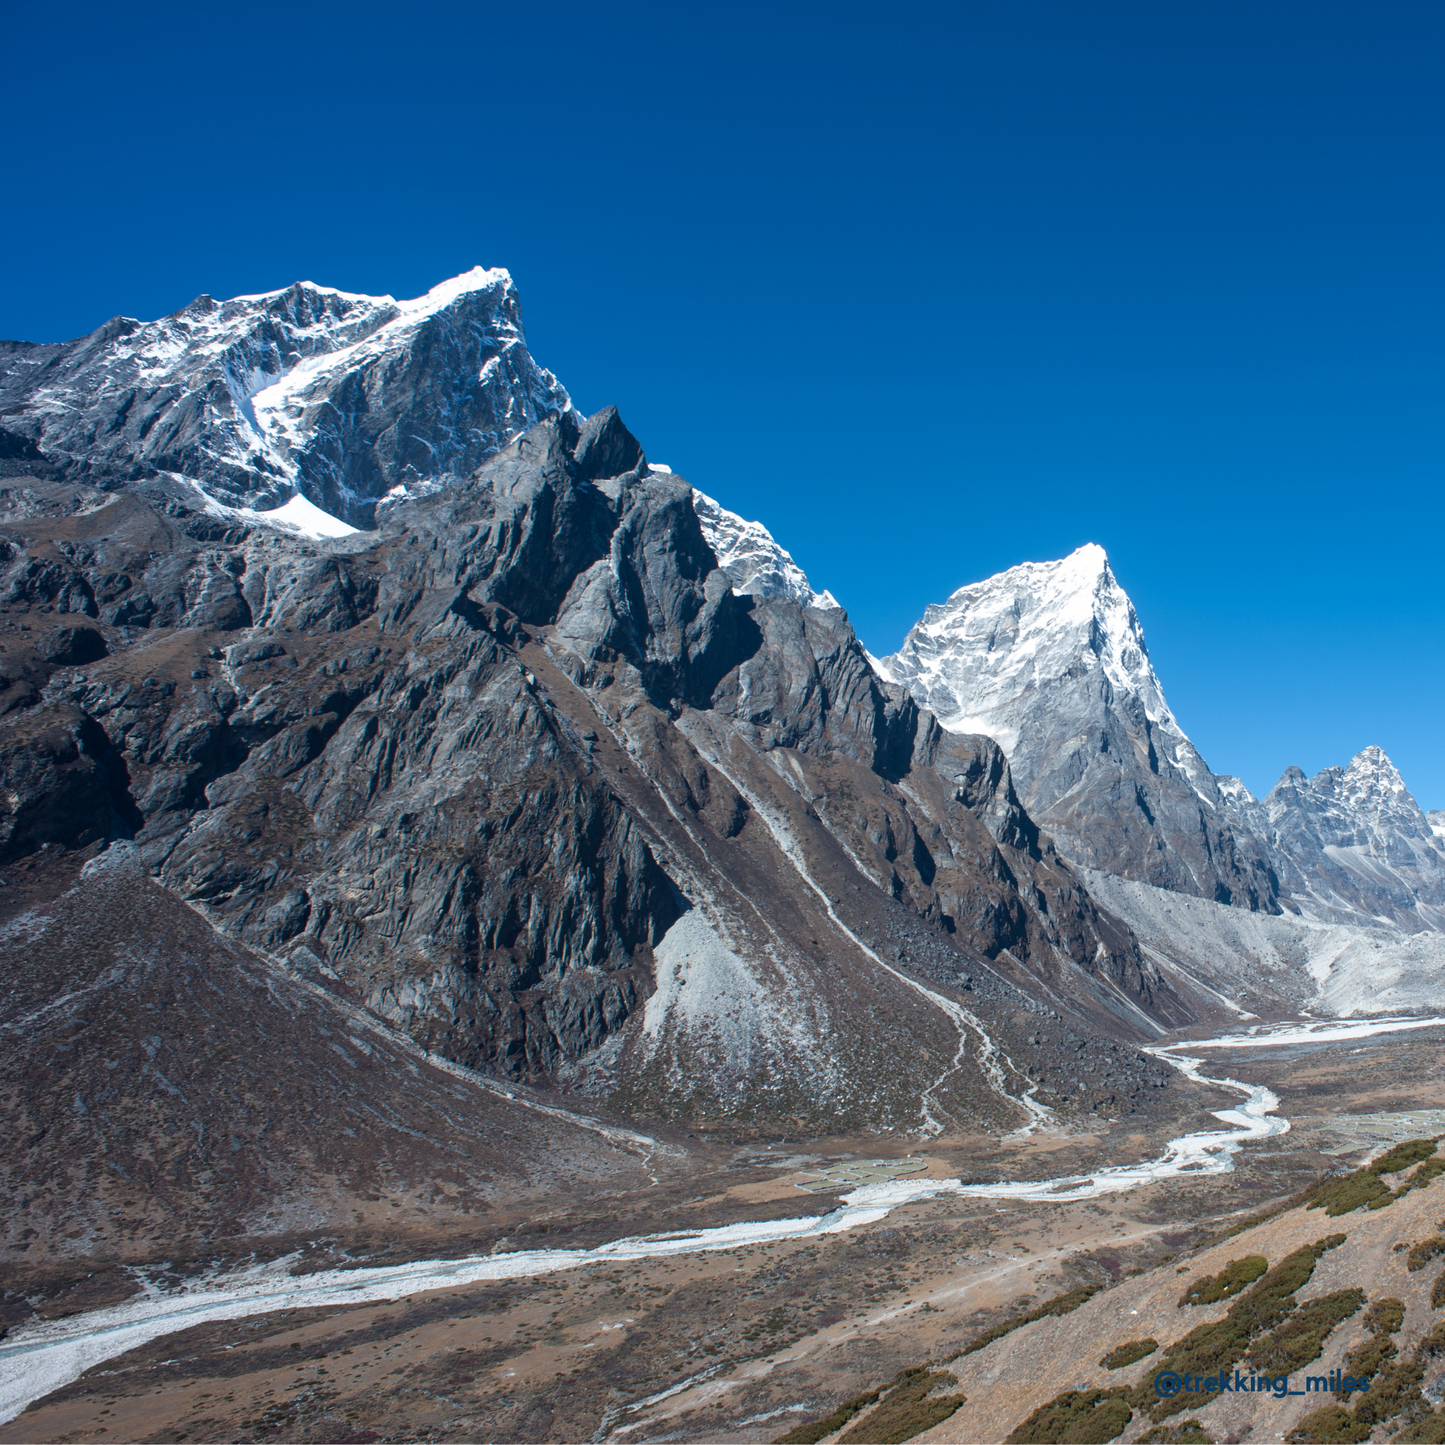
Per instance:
x=747, y=1342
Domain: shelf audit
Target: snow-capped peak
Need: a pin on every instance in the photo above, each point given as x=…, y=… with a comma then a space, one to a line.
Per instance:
x=1049, y=660
x=748, y=553
x=976, y=658
x=308, y=390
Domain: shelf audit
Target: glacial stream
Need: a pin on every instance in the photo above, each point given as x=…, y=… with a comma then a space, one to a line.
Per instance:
x=44, y=1356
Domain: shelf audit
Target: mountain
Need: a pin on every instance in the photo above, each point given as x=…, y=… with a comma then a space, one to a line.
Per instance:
x=337, y=397
x=751, y=557
x=1049, y=660
x=1351, y=845
x=519, y=767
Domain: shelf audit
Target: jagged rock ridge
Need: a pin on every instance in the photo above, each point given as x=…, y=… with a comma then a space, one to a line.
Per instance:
x=1352, y=845
x=478, y=767
x=338, y=396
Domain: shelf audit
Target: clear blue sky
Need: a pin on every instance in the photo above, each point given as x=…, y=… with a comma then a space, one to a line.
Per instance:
x=929, y=289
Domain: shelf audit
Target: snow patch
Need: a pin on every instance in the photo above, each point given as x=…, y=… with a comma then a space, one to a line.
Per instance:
x=306, y=518
x=751, y=557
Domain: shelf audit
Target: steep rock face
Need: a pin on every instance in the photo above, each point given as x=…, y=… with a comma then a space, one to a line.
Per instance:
x=1049, y=660
x=752, y=557
x=337, y=396
x=1351, y=845
x=1436, y=817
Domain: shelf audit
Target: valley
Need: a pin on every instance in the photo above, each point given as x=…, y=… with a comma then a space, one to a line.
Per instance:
x=732, y=1337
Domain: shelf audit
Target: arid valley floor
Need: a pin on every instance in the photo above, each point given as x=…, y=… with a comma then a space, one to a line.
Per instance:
x=750, y=1342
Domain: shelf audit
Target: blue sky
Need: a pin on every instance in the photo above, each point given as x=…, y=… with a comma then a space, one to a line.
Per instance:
x=930, y=290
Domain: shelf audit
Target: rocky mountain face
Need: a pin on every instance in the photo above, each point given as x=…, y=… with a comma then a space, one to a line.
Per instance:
x=338, y=397
x=1049, y=660
x=522, y=771
x=1351, y=844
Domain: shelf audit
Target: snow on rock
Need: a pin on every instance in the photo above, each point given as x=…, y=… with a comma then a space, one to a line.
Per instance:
x=748, y=553
x=1049, y=660
x=307, y=518
x=1351, y=845
x=309, y=390
x=1436, y=817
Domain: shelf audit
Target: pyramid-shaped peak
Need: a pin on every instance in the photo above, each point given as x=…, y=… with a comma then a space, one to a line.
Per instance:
x=1373, y=762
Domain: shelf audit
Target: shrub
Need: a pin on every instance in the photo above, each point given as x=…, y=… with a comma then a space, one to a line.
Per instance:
x=1128, y=1354
x=1301, y=1338
x=1237, y=1275
x=1330, y=1424
x=1437, y=1294
x=1394, y=1386
x=1421, y=1254
x=1081, y=1417
x=906, y=1410
x=1412, y=1151
x=1209, y=1348
x=1060, y=1305
x=1429, y=1170
x=1382, y=1319
x=1428, y=1430
x=1186, y=1432
x=1348, y=1193
x=811, y=1434
x=1365, y=1186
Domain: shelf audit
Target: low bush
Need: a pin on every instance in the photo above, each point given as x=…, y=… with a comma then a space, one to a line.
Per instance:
x=906, y=1409
x=1320, y=1427
x=1221, y=1344
x=1394, y=1391
x=1437, y=1294
x=1081, y=1417
x=1350, y=1192
x=1301, y=1338
x=1382, y=1319
x=1236, y=1276
x=810, y=1434
x=1060, y=1305
x=1402, y=1156
x=1421, y=1254
x=1428, y=1430
x=1186, y=1432
x=1128, y=1354
x=1366, y=1187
